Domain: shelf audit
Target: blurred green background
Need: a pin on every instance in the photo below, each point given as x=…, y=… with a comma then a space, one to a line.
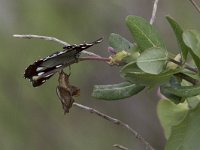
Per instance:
x=32, y=118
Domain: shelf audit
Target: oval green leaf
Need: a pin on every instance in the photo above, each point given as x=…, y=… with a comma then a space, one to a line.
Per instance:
x=116, y=91
x=130, y=67
x=192, y=40
x=119, y=43
x=193, y=101
x=111, y=86
x=143, y=78
x=183, y=91
x=152, y=60
x=170, y=114
x=174, y=83
x=186, y=135
x=196, y=60
x=179, y=32
x=145, y=35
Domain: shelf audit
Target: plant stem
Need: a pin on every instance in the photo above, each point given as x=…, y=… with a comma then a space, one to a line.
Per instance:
x=184, y=76
x=195, y=5
x=94, y=58
x=153, y=16
x=185, y=65
x=120, y=147
x=187, y=78
x=48, y=38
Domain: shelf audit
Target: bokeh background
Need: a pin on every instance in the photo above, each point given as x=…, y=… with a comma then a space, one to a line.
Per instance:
x=32, y=118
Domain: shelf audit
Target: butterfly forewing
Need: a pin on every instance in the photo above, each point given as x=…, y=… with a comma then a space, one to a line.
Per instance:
x=43, y=69
x=83, y=46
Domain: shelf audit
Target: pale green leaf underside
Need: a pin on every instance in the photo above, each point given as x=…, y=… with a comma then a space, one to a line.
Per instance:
x=170, y=114
x=116, y=91
x=186, y=135
x=146, y=78
x=192, y=40
x=152, y=60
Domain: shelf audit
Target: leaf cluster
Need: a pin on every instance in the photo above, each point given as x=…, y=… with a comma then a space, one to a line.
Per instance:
x=147, y=62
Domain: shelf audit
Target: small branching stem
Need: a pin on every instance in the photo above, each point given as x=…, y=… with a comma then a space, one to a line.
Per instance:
x=187, y=78
x=94, y=58
x=184, y=76
x=184, y=65
x=48, y=38
x=153, y=16
x=117, y=122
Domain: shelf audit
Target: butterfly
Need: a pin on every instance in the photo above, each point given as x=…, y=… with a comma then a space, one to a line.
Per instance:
x=43, y=69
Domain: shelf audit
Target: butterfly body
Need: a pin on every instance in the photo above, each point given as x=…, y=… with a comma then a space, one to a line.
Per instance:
x=43, y=69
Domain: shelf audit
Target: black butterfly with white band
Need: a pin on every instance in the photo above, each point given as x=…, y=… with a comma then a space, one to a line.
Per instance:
x=43, y=69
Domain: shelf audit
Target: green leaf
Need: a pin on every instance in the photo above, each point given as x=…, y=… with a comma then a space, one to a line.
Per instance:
x=144, y=34
x=186, y=135
x=174, y=82
x=193, y=101
x=174, y=98
x=131, y=57
x=191, y=74
x=170, y=114
x=179, y=32
x=196, y=60
x=119, y=43
x=143, y=78
x=116, y=91
x=152, y=60
x=130, y=67
x=192, y=40
x=184, y=91
x=112, y=85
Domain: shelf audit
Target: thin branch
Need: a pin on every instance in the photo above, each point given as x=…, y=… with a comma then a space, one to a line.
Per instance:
x=195, y=5
x=184, y=76
x=117, y=122
x=48, y=38
x=90, y=54
x=94, y=58
x=153, y=16
x=120, y=147
x=187, y=78
x=185, y=65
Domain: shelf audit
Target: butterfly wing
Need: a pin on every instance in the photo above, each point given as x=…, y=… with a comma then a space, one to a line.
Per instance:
x=43, y=69
x=83, y=46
